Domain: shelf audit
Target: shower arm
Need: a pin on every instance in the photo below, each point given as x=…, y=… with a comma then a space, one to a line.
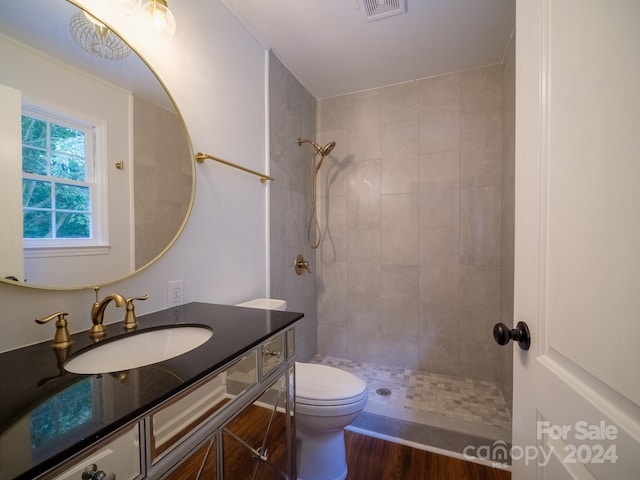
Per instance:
x=317, y=147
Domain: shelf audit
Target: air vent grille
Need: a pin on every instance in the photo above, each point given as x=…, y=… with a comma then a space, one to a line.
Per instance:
x=377, y=9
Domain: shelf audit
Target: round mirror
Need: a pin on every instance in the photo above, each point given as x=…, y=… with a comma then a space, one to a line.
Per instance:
x=97, y=174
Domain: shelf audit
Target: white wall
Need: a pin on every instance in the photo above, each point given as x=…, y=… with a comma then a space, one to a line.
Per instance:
x=215, y=70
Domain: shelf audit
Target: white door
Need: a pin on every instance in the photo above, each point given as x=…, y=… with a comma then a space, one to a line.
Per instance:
x=577, y=240
x=11, y=183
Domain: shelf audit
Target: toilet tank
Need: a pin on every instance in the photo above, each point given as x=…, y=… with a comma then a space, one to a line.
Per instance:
x=266, y=303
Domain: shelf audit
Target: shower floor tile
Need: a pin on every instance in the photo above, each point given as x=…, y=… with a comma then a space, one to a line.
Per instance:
x=468, y=406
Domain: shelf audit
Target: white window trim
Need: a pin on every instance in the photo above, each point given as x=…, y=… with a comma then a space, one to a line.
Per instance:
x=99, y=243
x=61, y=251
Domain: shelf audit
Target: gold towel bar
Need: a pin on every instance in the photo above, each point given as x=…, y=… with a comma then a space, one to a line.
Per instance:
x=201, y=157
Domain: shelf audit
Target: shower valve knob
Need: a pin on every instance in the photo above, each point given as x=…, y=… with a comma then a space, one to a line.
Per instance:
x=301, y=265
x=503, y=334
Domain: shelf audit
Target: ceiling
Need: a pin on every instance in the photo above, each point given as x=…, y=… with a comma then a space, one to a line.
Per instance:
x=332, y=50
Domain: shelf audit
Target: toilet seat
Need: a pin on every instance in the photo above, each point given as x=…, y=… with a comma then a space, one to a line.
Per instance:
x=322, y=385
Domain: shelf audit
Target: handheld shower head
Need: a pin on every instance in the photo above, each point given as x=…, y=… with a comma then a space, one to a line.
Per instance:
x=315, y=167
x=326, y=150
x=323, y=151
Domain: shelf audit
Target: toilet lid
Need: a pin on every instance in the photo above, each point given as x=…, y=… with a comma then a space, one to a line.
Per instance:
x=325, y=385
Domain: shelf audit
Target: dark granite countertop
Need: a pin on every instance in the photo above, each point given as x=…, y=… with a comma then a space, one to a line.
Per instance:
x=48, y=414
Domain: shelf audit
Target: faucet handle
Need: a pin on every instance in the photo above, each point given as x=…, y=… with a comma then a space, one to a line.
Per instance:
x=61, y=339
x=130, y=322
x=301, y=265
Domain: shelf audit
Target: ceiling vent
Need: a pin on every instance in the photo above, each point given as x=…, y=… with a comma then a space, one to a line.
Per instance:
x=377, y=9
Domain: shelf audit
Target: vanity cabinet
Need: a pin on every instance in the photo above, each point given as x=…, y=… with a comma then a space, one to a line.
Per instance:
x=237, y=423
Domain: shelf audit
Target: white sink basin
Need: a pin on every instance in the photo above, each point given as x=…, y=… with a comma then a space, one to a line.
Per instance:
x=138, y=349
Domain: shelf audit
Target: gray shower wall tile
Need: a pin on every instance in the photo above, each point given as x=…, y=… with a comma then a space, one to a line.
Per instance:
x=439, y=246
x=399, y=304
x=399, y=319
x=333, y=221
x=440, y=167
x=364, y=332
x=481, y=88
x=439, y=320
x=333, y=339
x=400, y=353
x=399, y=281
x=440, y=354
x=480, y=225
x=481, y=147
x=399, y=231
x=331, y=291
x=442, y=91
x=439, y=129
x=400, y=157
x=439, y=285
x=479, y=303
x=363, y=266
x=364, y=310
x=400, y=103
x=294, y=220
x=439, y=113
x=364, y=203
x=364, y=278
x=364, y=126
x=333, y=113
x=479, y=361
x=439, y=205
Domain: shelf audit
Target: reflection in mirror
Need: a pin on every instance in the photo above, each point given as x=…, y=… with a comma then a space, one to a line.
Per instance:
x=97, y=177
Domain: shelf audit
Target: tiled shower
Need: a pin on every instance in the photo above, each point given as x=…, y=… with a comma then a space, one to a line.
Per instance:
x=416, y=202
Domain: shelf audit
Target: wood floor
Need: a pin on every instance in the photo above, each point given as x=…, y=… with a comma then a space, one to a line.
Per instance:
x=368, y=458
x=371, y=458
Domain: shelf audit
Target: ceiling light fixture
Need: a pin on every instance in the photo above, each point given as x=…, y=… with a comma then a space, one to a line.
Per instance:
x=160, y=18
x=94, y=37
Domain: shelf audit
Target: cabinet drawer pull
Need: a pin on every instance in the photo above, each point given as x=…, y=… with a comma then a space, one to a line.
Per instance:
x=92, y=473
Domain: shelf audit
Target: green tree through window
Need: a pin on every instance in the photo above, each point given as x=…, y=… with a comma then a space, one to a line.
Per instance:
x=56, y=188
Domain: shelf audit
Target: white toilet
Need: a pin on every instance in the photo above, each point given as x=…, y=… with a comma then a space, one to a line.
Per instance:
x=327, y=400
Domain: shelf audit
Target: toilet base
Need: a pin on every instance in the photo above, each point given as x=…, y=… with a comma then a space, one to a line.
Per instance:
x=321, y=455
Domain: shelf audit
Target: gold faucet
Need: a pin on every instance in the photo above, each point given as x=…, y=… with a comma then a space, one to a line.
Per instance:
x=98, y=330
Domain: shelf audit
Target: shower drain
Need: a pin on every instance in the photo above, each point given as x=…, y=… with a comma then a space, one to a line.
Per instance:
x=384, y=392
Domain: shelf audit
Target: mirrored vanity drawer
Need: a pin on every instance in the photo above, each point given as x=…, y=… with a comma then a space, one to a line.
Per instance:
x=120, y=457
x=272, y=354
x=180, y=417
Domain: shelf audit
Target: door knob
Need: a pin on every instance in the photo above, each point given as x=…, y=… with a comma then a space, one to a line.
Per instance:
x=502, y=334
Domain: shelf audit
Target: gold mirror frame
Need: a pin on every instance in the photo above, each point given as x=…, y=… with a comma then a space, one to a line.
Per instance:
x=106, y=281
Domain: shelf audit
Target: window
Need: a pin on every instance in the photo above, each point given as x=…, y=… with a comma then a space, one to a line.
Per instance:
x=59, y=184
